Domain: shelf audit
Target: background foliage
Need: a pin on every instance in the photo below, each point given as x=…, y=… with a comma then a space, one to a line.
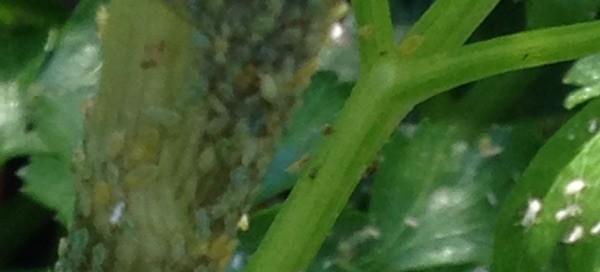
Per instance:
x=454, y=178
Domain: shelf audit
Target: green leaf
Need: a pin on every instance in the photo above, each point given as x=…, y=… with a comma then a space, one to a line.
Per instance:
x=51, y=183
x=569, y=155
x=436, y=197
x=323, y=99
x=57, y=98
x=27, y=33
x=546, y=13
x=585, y=73
x=26, y=42
x=14, y=139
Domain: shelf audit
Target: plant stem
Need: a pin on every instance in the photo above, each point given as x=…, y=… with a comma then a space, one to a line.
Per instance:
x=374, y=26
x=143, y=112
x=379, y=101
x=446, y=25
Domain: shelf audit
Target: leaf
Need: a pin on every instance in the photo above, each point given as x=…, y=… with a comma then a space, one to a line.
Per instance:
x=585, y=73
x=14, y=138
x=436, y=196
x=547, y=13
x=570, y=154
x=26, y=41
x=56, y=109
x=323, y=99
x=51, y=183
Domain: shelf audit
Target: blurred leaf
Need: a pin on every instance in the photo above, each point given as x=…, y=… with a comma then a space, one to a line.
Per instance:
x=51, y=183
x=14, y=139
x=21, y=218
x=56, y=101
x=568, y=155
x=37, y=13
x=547, y=13
x=26, y=25
x=437, y=194
x=323, y=99
x=26, y=43
x=585, y=73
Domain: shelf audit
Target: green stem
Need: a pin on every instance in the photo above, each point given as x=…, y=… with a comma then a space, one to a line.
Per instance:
x=446, y=25
x=379, y=101
x=374, y=25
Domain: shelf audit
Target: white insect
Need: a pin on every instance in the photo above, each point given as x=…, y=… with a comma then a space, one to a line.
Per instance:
x=237, y=261
x=593, y=126
x=117, y=214
x=574, y=235
x=534, y=206
x=595, y=230
x=337, y=30
x=411, y=222
x=244, y=223
x=569, y=211
x=492, y=199
x=574, y=187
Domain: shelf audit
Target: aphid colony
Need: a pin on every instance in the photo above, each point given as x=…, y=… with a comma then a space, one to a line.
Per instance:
x=254, y=57
x=571, y=192
x=195, y=156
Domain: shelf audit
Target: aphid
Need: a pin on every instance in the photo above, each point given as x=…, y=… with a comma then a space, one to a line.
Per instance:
x=268, y=88
x=116, y=141
x=101, y=20
x=297, y=165
x=574, y=235
x=220, y=250
x=244, y=222
x=595, y=230
x=117, y=213
x=51, y=40
x=487, y=147
x=203, y=223
x=313, y=173
x=411, y=222
x=491, y=198
x=247, y=80
x=102, y=193
x=574, y=187
x=459, y=147
x=410, y=45
x=569, y=211
x=534, y=206
x=336, y=33
x=237, y=262
x=593, y=126
x=327, y=129
x=373, y=168
x=303, y=74
x=365, y=32
x=149, y=63
x=153, y=55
